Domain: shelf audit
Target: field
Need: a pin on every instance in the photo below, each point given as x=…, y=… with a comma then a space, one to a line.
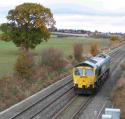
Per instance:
x=9, y=52
x=0, y=32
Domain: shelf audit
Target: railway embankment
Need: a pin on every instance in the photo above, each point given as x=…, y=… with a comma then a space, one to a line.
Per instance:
x=118, y=94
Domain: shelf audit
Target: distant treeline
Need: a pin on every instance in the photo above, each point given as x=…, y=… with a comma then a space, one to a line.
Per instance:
x=95, y=34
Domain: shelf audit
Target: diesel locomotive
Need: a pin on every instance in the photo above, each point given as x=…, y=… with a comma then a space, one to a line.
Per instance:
x=90, y=74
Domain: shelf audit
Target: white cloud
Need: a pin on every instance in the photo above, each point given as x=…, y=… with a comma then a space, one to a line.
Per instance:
x=104, y=24
x=113, y=4
x=102, y=15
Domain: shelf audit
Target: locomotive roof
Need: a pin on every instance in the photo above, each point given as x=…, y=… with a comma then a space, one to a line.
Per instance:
x=96, y=61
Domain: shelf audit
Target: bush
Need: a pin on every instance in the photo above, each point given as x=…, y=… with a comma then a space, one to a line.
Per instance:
x=94, y=49
x=118, y=96
x=10, y=92
x=78, y=51
x=24, y=66
x=123, y=66
x=114, y=38
x=54, y=58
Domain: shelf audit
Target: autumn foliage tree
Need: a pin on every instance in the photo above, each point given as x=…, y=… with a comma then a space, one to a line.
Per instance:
x=94, y=49
x=27, y=25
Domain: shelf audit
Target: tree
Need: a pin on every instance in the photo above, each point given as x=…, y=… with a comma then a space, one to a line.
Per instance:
x=28, y=25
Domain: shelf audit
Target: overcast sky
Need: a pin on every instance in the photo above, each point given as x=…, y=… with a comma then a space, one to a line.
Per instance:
x=101, y=15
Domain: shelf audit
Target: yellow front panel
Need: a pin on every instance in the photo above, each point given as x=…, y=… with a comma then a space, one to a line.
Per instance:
x=83, y=80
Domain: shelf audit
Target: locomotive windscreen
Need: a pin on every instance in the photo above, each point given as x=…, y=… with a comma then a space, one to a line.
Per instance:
x=89, y=72
x=79, y=71
x=83, y=71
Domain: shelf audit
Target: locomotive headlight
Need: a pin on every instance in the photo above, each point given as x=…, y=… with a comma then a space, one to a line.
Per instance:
x=74, y=82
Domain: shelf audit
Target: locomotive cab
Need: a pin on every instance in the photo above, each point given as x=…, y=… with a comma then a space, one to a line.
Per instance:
x=84, y=78
x=90, y=74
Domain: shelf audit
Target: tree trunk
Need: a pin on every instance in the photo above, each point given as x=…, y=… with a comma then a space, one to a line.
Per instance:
x=24, y=47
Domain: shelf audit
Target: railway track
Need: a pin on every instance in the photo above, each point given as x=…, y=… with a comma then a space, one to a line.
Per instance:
x=42, y=106
x=83, y=101
x=81, y=108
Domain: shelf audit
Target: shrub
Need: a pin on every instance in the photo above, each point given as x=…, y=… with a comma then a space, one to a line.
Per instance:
x=123, y=66
x=24, y=66
x=54, y=58
x=78, y=51
x=94, y=49
x=10, y=91
x=114, y=38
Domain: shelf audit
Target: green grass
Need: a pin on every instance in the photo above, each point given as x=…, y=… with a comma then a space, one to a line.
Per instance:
x=66, y=43
x=9, y=52
x=0, y=32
